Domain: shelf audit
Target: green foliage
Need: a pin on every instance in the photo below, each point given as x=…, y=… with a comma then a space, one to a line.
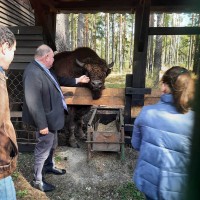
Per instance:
x=100, y=26
x=22, y=193
x=150, y=80
x=128, y=191
x=57, y=159
x=176, y=50
x=15, y=175
x=115, y=81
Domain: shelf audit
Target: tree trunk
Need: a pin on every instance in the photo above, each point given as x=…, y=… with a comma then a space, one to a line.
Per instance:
x=150, y=46
x=158, y=50
x=67, y=31
x=124, y=43
x=113, y=38
x=120, y=45
x=196, y=65
x=80, y=30
x=107, y=40
x=86, y=31
x=94, y=34
x=72, y=31
x=62, y=33
x=132, y=39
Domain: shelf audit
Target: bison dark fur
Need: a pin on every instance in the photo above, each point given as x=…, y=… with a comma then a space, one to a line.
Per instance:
x=81, y=61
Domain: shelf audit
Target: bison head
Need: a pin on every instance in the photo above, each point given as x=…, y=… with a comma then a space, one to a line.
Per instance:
x=97, y=71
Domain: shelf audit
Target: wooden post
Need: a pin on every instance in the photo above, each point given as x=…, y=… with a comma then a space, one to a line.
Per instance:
x=140, y=49
x=137, y=79
x=46, y=17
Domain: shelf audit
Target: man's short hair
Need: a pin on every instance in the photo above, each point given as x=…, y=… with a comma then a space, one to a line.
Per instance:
x=42, y=50
x=6, y=35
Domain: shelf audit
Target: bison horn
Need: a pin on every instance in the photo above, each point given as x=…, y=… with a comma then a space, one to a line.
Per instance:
x=110, y=65
x=81, y=64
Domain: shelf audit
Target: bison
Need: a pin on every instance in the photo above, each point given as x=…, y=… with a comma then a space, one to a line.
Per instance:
x=81, y=61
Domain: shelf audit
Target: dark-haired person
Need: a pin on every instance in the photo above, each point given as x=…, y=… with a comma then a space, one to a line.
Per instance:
x=8, y=143
x=162, y=134
x=43, y=108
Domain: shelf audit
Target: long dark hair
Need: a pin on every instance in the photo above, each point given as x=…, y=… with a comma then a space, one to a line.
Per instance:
x=181, y=85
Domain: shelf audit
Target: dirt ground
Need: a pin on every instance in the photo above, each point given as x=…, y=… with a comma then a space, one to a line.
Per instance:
x=98, y=179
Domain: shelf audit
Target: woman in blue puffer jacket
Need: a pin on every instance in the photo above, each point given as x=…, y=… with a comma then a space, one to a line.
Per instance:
x=162, y=134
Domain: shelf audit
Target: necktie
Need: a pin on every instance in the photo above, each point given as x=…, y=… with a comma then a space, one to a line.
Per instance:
x=58, y=87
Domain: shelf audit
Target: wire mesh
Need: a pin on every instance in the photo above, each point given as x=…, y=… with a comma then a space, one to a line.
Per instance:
x=15, y=89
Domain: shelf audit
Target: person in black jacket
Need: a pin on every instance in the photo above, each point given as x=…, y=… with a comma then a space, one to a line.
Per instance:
x=44, y=108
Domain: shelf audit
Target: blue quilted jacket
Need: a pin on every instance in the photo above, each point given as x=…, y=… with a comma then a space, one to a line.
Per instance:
x=163, y=138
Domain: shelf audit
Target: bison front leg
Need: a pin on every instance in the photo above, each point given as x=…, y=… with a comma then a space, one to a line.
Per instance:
x=80, y=112
x=79, y=128
x=69, y=123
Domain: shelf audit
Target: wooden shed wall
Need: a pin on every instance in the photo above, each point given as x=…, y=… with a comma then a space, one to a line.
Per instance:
x=16, y=13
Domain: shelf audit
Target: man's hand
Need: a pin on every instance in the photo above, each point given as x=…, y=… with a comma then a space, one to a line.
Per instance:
x=82, y=79
x=44, y=131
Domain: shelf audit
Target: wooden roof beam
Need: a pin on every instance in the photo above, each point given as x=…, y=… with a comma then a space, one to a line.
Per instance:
x=174, y=31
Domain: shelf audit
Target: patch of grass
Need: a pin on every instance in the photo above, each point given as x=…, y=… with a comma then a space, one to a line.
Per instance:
x=114, y=85
x=21, y=193
x=128, y=191
x=115, y=81
x=15, y=175
x=57, y=158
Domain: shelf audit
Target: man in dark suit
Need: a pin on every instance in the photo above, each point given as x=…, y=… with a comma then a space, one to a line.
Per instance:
x=44, y=108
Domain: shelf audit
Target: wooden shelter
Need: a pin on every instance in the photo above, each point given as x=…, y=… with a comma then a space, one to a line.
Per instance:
x=45, y=16
x=19, y=13
x=41, y=16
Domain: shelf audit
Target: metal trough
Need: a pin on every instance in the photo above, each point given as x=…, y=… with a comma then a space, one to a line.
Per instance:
x=105, y=131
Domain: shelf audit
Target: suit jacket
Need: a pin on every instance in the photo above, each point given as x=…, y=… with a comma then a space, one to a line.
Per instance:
x=42, y=106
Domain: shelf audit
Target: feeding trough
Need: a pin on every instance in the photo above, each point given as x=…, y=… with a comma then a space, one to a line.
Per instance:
x=106, y=131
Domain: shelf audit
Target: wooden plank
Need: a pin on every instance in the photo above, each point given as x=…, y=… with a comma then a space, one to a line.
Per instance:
x=23, y=58
x=17, y=66
x=113, y=97
x=149, y=99
x=16, y=14
x=25, y=30
x=174, y=31
x=26, y=4
x=16, y=6
x=11, y=19
x=29, y=43
x=128, y=100
x=29, y=37
x=5, y=22
x=130, y=90
x=15, y=114
x=25, y=51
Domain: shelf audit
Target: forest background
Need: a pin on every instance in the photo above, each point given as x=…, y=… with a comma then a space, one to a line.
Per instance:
x=111, y=36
